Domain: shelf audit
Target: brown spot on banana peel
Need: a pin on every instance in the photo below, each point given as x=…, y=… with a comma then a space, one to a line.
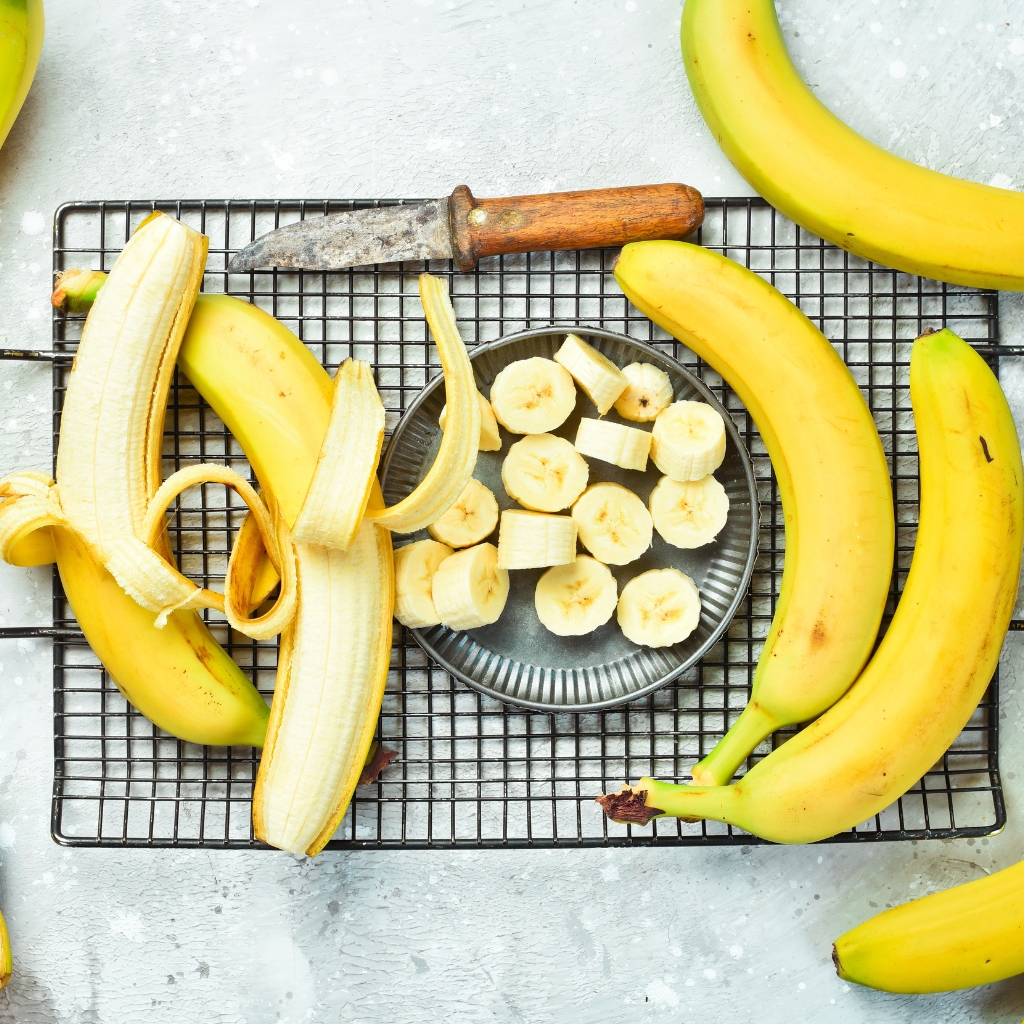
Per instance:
x=984, y=448
x=628, y=807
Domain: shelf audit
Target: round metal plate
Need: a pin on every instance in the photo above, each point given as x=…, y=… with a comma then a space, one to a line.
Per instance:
x=516, y=659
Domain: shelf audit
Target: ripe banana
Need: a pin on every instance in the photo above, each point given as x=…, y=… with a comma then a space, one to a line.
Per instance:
x=534, y=540
x=574, y=599
x=21, y=42
x=688, y=441
x=472, y=518
x=544, y=473
x=6, y=966
x=470, y=588
x=923, y=683
x=415, y=565
x=648, y=392
x=601, y=380
x=820, y=173
x=613, y=523
x=659, y=608
x=533, y=396
x=968, y=935
x=490, y=438
x=622, y=446
x=689, y=514
x=832, y=476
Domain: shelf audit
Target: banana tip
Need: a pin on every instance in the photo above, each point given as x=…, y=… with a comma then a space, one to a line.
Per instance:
x=628, y=806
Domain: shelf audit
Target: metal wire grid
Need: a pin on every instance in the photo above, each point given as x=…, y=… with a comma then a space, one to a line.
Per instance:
x=471, y=771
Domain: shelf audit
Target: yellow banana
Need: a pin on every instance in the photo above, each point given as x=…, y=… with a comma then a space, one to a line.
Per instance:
x=21, y=42
x=5, y=954
x=923, y=683
x=828, y=459
x=968, y=935
x=820, y=173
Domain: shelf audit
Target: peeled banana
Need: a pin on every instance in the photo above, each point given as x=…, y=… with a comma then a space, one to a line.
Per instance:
x=533, y=396
x=544, y=473
x=659, y=608
x=534, y=540
x=832, y=475
x=622, y=446
x=648, y=392
x=820, y=173
x=415, y=565
x=689, y=514
x=472, y=518
x=688, y=440
x=601, y=380
x=470, y=588
x=613, y=523
x=574, y=599
x=923, y=683
x=21, y=42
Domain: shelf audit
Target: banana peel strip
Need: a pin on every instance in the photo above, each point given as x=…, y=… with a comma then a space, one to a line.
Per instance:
x=456, y=457
x=234, y=603
x=340, y=490
x=28, y=502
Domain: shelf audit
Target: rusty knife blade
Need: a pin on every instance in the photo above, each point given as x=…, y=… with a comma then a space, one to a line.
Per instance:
x=355, y=238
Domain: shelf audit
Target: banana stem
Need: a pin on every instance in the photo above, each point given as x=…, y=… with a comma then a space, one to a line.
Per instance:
x=754, y=724
x=691, y=803
x=76, y=290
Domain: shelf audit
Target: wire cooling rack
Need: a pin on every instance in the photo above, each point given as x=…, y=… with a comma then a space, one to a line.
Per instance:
x=470, y=771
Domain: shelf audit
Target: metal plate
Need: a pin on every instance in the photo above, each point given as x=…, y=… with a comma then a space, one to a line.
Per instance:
x=517, y=659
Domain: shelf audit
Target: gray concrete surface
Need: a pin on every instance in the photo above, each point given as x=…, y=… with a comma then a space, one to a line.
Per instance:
x=169, y=98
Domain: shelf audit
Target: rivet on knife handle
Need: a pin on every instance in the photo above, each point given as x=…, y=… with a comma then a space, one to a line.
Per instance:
x=569, y=220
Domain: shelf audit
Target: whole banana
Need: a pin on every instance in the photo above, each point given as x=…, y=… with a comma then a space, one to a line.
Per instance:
x=820, y=173
x=923, y=683
x=831, y=470
x=21, y=42
x=968, y=935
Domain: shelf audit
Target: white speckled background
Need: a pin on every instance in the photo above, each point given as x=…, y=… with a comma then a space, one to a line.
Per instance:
x=171, y=98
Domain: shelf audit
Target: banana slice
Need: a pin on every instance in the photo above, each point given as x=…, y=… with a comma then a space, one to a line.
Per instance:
x=612, y=442
x=473, y=517
x=688, y=441
x=599, y=377
x=415, y=565
x=648, y=393
x=533, y=396
x=613, y=523
x=659, y=608
x=533, y=540
x=470, y=588
x=689, y=513
x=544, y=473
x=574, y=599
x=490, y=439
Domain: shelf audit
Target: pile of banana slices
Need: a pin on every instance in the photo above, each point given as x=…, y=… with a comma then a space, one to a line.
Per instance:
x=460, y=580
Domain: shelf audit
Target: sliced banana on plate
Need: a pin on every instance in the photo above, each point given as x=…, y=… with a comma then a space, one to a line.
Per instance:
x=473, y=517
x=659, y=608
x=596, y=374
x=534, y=540
x=533, y=396
x=689, y=513
x=648, y=393
x=544, y=473
x=415, y=565
x=490, y=439
x=688, y=441
x=574, y=599
x=613, y=523
x=470, y=588
x=613, y=442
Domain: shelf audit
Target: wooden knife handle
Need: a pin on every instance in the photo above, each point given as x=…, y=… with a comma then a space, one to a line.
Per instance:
x=570, y=220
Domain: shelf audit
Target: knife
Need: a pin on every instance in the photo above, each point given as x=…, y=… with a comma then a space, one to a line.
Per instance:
x=464, y=229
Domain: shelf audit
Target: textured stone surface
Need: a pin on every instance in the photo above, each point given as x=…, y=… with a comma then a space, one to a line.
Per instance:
x=169, y=98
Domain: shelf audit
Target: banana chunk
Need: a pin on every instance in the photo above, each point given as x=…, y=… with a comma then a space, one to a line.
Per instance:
x=473, y=517
x=470, y=588
x=613, y=523
x=612, y=442
x=490, y=438
x=415, y=565
x=544, y=473
x=600, y=378
x=533, y=540
x=533, y=396
x=574, y=599
x=688, y=441
x=659, y=608
x=648, y=393
x=689, y=513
